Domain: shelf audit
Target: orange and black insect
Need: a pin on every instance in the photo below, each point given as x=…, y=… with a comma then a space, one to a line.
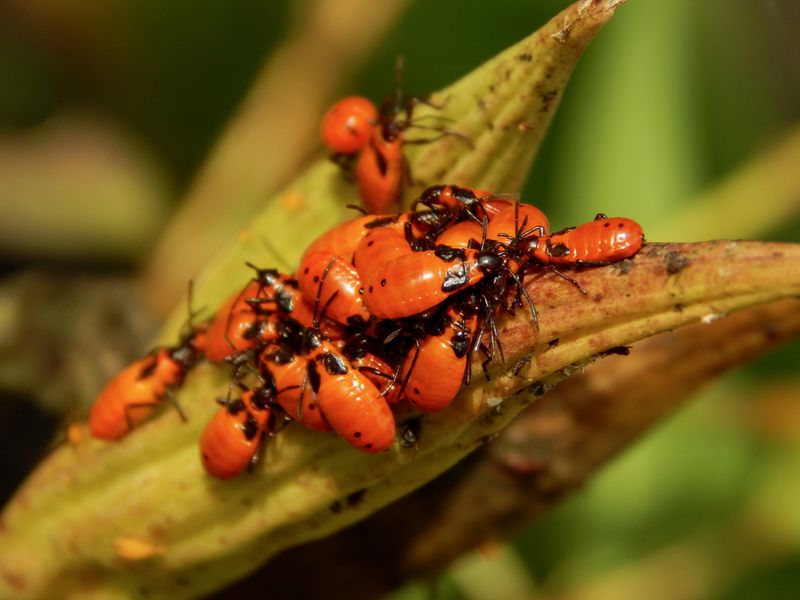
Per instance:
x=317, y=374
x=380, y=246
x=348, y=124
x=249, y=318
x=231, y=440
x=135, y=393
x=237, y=327
x=381, y=168
x=435, y=370
x=350, y=402
x=319, y=388
x=330, y=269
x=290, y=373
x=419, y=281
x=326, y=274
x=600, y=242
x=336, y=284
x=459, y=199
x=408, y=283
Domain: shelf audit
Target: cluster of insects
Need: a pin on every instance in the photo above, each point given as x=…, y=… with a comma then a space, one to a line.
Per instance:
x=385, y=309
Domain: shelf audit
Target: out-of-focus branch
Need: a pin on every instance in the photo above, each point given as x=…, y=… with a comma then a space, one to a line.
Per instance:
x=763, y=194
x=78, y=329
x=91, y=39
x=757, y=537
x=269, y=138
x=77, y=189
x=550, y=450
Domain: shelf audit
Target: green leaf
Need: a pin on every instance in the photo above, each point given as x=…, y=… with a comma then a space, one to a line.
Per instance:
x=771, y=177
x=631, y=142
x=505, y=106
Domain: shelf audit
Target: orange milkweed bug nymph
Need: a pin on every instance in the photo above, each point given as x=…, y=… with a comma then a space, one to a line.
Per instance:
x=348, y=124
x=600, y=242
x=418, y=281
x=350, y=402
x=232, y=438
x=134, y=393
x=434, y=371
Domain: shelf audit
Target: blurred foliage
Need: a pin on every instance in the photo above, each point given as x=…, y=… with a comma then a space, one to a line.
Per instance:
x=170, y=72
x=672, y=97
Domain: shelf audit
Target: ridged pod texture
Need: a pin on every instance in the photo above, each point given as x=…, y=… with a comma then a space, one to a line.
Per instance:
x=142, y=518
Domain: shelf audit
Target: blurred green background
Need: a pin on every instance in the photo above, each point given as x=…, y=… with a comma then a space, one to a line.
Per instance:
x=108, y=111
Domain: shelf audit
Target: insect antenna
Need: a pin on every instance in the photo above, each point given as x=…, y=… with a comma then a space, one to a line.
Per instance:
x=392, y=379
x=360, y=209
x=300, y=398
x=191, y=313
x=317, y=315
x=443, y=132
x=407, y=376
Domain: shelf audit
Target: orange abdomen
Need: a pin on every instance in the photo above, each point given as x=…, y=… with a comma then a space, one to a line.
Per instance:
x=438, y=370
x=333, y=284
x=342, y=239
x=132, y=396
x=602, y=241
x=232, y=438
x=291, y=382
x=460, y=234
x=380, y=170
x=353, y=407
x=379, y=246
x=417, y=282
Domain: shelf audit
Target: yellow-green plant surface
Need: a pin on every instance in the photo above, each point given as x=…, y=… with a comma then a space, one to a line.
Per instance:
x=141, y=518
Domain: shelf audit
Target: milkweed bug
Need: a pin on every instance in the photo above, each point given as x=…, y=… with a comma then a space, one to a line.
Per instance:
x=600, y=242
x=350, y=402
x=231, y=440
x=133, y=395
x=336, y=284
x=434, y=372
x=418, y=281
x=348, y=124
x=290, y=373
